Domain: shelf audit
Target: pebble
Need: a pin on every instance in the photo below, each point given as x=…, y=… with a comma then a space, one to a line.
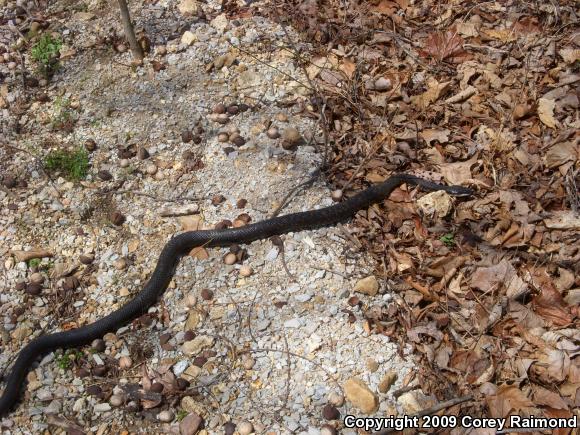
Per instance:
x=120, y=264
x=248, y=362
x=37, y=278
x=102, y=407
x=195, y=346
x=368, y=286
x=116, y=400
x=151, y=169
x=99, y=345
x=327, y=430
x=230, y=258
x=336, y=399
x=86, y=258
x=166, y=416
x=245, y=428
x=246, y=271
x=387, y=381
x=79, y=405
x=273, y=133
x=360, y=396
x=372, y=365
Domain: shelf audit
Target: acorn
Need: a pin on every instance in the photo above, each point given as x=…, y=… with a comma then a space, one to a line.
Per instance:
x=90, y=145
x=186, y=136
x=238, y=141
x=117, y=218
x=219, y=108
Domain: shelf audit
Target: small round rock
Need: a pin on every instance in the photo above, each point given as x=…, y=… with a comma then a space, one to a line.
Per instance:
x=125, y=362
x=245, y=428
x=249, y=363
x=120, y=264
x=291, y=138
x=327, y=430
x=166, y=416
x=246, y=271
x=223, y=137
x=99, y=345
x=336, y=195
x=151, y=169
x=116, y=400
x=37, y=278
x=336, y=399
x=273, y=133
x=86, y=258
x=230, y=259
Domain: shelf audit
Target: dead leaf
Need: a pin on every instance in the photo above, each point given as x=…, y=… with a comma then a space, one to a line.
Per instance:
x=561, y=153
x=385, y=7
x=434, y=91
x=348, y=67
x=440, y=135
x=546, y=112
x=443, y=45
x=549, y=304
x=508, y=400
x=563, y=220
x=570, y=55
x=544, y=397
x=495, y=277
x=458, y=173
x=504, y=35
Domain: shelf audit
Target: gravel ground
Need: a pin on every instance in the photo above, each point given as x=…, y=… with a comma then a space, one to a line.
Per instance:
x=256, y=344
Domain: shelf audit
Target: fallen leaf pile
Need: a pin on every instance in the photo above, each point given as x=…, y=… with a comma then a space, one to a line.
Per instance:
x=479, y=94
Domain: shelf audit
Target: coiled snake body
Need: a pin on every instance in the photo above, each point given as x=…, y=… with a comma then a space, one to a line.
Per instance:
x=181, y=245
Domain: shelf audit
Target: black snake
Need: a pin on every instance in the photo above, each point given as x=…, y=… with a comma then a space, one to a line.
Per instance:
x=181, y=245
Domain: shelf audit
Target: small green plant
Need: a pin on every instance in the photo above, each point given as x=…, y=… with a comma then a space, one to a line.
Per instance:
x=74, y=164
x=181, y=414
x=65, y=361
x=448, y=239
x=34, y=262
x=46, y=53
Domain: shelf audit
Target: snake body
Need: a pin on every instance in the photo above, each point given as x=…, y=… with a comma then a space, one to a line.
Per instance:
x=179, y=246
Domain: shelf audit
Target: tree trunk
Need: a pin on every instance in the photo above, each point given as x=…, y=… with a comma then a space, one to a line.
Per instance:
x=129, y=32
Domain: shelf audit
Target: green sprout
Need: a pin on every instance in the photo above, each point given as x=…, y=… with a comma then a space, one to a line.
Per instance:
x=181, y=414
x=66, y=360
x=34, y=262
x=448, y=240
x=74, y=164
x=46, y=53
